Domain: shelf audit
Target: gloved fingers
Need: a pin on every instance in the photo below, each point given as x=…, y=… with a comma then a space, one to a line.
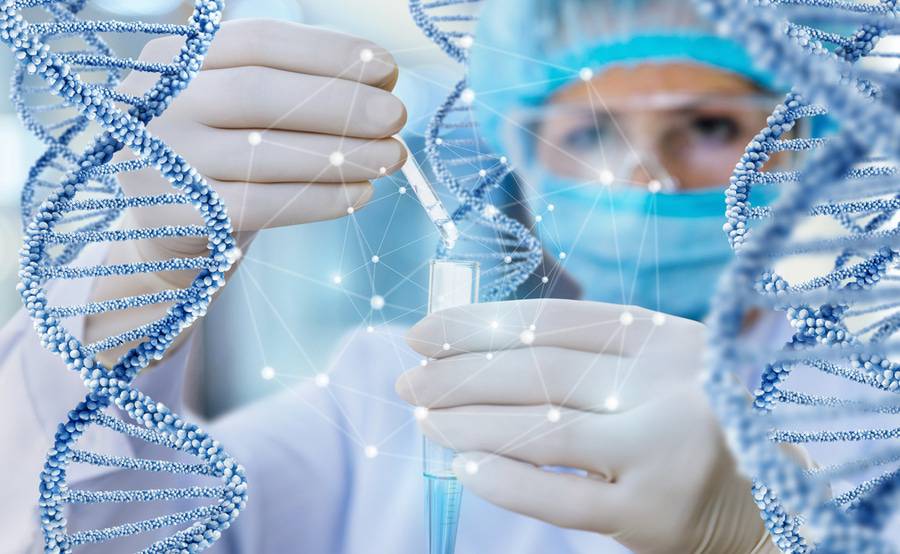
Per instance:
x=542, y=435
x=256, y=206
x=577, y=325
x=562, y=499
x=527, y=376
x=293, y=102
x=251, y=206
x=283, y=156
x=290, y=47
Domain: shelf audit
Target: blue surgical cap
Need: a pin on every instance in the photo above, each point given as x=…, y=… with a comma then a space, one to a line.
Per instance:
x=525, y=50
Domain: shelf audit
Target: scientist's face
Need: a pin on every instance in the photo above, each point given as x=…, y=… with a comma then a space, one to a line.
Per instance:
x=606, y=144
x=681, y=126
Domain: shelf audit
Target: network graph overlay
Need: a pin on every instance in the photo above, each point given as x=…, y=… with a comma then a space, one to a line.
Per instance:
x=65, y=91
x=839, y=287
x=507, y=251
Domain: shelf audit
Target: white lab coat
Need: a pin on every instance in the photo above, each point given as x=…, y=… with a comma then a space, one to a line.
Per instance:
x=312, y=489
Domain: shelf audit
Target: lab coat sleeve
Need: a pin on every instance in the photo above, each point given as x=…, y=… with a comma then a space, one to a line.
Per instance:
x=24, y=437
x=301, y=449
x=36, y=393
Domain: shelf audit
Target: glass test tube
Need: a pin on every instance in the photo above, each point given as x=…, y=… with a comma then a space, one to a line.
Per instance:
x=451, y=283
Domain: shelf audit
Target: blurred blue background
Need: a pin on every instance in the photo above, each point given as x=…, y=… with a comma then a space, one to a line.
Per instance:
x=285, y=303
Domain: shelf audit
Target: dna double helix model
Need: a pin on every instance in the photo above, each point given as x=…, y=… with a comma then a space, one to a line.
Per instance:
x=838, y=287
x=463, y=163
x=65, y=91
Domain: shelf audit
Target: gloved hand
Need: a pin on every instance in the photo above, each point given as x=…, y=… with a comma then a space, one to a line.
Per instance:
x=611, y=391
x=288, y=123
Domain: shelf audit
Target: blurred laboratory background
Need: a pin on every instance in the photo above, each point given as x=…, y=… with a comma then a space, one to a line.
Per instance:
x=299, y=290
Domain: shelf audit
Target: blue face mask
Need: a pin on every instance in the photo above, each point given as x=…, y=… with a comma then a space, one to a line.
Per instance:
x=626, y=245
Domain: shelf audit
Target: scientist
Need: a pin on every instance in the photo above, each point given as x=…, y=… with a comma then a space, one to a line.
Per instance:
x=631, y=116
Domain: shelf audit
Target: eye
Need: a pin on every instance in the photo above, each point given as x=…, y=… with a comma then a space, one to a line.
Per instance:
x=721, y=129
x=582, y=138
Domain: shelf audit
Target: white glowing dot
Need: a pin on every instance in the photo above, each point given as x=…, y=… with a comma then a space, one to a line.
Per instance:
x=375, y=259
x=527, y=336
x=490, y=210
x=532, y=327
x=606, y=177
x=503, y=160
x=611, y=403
x=553, y=415
x=545, y=279
x=446, y=346
x=659, y=319
x=626, y=318
x=366, y=55
x=337, y=279
x=562, y=255
x=439, y=141
x=467, y=96
x=234, y=254
x=550, y=207
x=482, y=172
x=336, y=159
x=382, y=170
x=538, y=218
x=402, y=190
x=471, y=467
x=350, y=210
x=254, y=138
x=654, y=186
x=489, y=355
x=371, y=451
x=267, y=373
x=423, y=362
x=507, y=259
x=466, y=41
x=495, y=324
x=370, y=329
x=420, y=413
x=377, y=302
x=585, y=74
x=322, y=380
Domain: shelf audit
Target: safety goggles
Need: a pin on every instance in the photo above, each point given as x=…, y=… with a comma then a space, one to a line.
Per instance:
x=663, y=141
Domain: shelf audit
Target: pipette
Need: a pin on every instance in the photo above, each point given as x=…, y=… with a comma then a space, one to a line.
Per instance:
x=450, y=283
x=436, y=211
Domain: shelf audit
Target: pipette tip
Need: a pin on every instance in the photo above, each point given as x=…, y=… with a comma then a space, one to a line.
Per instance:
x=426, y=194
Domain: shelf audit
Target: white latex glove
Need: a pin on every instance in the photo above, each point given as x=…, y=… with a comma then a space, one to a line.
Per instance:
x=262, y=120
x=604, y=389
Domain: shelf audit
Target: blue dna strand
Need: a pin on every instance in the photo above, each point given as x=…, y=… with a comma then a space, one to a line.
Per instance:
x=56, y=124
x=837, y=284
x=462, y=162
x=65, y=91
